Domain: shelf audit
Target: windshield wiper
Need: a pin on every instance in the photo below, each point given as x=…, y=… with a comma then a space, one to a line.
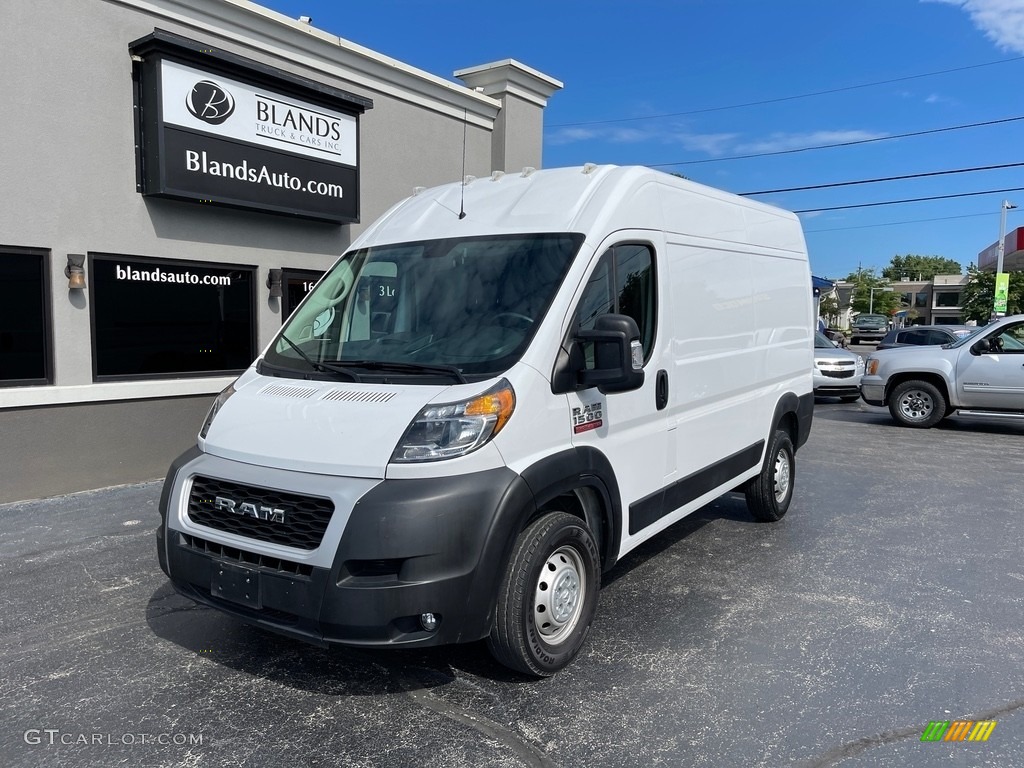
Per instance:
x=321, y=367
x=386, y=365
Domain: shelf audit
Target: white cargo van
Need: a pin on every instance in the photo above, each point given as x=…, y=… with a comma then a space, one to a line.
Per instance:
x=503, y=387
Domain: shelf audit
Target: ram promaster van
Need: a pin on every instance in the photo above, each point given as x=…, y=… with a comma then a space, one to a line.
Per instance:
x=503, y=387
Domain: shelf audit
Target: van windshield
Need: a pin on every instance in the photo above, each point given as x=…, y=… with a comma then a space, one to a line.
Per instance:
x=458, y=309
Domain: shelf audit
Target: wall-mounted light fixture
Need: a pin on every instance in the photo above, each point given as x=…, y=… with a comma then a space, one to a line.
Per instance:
x=274, y=283
x=75, y=271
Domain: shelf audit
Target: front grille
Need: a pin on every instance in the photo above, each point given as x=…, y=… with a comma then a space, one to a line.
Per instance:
x=837, y=374
x=242, y=557
x=305, y=517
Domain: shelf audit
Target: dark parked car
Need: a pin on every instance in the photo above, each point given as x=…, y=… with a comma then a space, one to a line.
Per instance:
x=924, y=335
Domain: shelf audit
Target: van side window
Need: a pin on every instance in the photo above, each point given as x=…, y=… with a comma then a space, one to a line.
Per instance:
x=623, y=282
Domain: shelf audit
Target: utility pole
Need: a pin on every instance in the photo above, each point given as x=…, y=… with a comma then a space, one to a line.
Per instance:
x=1002, y=281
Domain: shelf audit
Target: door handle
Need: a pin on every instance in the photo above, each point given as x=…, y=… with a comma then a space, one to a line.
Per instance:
x=661, y=390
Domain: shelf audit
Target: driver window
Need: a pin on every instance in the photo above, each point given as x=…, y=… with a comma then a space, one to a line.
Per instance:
x=1011, y=339
x=623, y=282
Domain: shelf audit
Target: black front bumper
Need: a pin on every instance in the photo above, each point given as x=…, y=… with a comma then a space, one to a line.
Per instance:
x=840, y=391
x=410, y=547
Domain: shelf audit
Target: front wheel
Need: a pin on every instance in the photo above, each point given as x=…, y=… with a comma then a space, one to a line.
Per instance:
x=917, y=404
x=768, y=494
x=548, y=597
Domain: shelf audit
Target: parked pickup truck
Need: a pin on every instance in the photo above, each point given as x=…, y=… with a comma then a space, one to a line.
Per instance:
x=980, y=375
x=869, y=328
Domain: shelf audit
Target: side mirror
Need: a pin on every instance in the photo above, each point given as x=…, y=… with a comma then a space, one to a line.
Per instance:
x=618, y=355
x=981, y=347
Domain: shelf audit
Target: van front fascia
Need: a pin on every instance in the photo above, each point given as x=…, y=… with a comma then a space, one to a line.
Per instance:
x=410, y=546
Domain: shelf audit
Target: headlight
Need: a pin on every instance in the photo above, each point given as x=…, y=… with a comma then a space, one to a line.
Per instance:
x=455, y=429
x=215, y=408
x=872, y=367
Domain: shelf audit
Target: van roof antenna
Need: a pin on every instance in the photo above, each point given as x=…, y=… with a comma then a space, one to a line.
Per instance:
x=462, y=200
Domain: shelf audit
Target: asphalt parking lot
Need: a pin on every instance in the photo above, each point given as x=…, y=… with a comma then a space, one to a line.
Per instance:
x=890, y=596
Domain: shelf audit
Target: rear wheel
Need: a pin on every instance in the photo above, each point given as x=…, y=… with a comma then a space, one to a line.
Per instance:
x=548, y=598
x=917, y=404
x=768, y=494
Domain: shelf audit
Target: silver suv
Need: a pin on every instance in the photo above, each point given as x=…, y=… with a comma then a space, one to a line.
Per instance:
x=981, y=375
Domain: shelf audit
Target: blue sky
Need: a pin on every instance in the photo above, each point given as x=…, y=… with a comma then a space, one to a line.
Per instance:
x=687, y=84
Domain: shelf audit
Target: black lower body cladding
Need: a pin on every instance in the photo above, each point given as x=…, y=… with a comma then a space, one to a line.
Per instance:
x=410, y=547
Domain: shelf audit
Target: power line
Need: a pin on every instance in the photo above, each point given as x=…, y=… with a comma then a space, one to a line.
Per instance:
x=909, y=200
x=840, y=144
x=882, y=179
x=899, y=223
x=789, y=98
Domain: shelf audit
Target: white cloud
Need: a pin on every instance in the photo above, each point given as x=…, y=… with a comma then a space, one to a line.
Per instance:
x=605, y=133
x=778, y=142
x=711, y=145
x=936, y=98
x=1002, y=21
x=628, y=135
x=572, y=135
x=714, y=144
x=707, y=143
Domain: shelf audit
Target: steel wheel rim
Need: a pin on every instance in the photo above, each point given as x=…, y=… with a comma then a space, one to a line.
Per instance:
x=783, y=476
x=559, y=595
x=916, y=404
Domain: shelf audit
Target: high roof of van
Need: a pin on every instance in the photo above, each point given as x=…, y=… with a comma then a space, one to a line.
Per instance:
x=593, y=200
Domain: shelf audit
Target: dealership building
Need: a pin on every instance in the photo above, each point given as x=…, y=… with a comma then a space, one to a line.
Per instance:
x=178, y=174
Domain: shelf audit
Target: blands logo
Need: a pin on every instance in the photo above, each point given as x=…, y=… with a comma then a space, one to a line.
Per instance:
x=225, y=108
x=210, y=103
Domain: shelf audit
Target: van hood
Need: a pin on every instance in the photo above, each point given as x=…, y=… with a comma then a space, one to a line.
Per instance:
x=324, y=427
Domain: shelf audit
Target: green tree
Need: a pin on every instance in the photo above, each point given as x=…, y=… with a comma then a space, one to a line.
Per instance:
x=978, y=295
x=828, y=308
x=885, y=302
x=914, y=267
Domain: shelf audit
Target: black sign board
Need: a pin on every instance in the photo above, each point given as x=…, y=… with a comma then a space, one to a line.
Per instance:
x=215, y=128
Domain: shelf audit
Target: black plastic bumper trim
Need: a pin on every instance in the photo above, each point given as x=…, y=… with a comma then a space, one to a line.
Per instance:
x=437, y=545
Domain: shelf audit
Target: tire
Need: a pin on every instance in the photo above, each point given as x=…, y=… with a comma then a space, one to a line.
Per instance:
x=769, y=494
x=548, y=597
x=918, y=404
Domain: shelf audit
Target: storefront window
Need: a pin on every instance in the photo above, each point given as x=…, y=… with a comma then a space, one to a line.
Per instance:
x=947, y=299
x=160, y=318
x=297, y=283
x=24, y=318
